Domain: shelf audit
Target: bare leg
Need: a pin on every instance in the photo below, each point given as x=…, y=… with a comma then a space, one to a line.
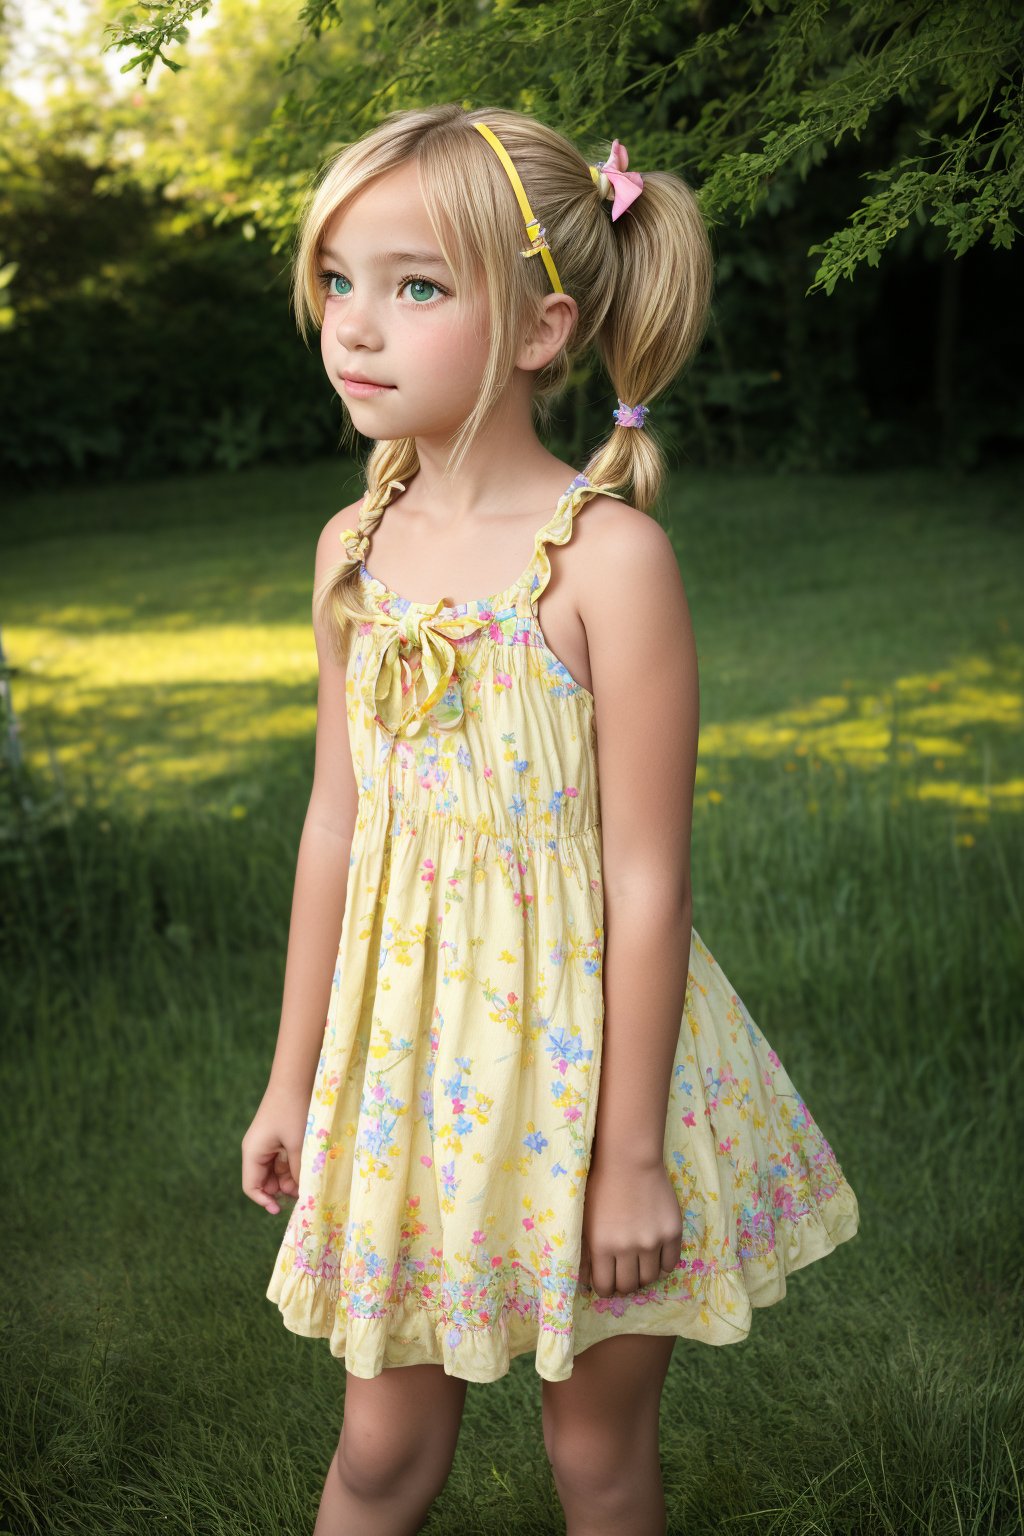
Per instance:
x=398, y=1437
x=601, y=1436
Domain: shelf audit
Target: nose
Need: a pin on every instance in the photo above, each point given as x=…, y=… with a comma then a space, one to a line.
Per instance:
x=355, y=326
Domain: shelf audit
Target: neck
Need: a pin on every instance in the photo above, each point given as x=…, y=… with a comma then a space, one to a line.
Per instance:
x=505, y=459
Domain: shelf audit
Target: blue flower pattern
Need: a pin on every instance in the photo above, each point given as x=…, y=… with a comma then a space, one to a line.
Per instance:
x=450, y=1133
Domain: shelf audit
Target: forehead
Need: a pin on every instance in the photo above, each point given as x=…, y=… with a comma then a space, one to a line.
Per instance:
x=388, y=213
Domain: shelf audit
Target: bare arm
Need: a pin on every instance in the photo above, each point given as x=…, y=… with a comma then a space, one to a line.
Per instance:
x=645, y=682
x=644, y=665
x=272, y=1146
x=321, y=876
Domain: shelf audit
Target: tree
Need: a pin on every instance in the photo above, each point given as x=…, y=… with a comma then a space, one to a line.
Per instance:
x=765, y=92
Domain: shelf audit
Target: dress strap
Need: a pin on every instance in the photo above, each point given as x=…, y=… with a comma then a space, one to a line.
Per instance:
x=559, y=530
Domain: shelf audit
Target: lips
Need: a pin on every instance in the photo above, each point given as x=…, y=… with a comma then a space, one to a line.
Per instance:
x=358, y=378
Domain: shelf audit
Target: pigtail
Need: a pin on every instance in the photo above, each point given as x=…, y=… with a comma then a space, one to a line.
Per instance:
x=338, y=602
x=655, y=322
x=642, y=286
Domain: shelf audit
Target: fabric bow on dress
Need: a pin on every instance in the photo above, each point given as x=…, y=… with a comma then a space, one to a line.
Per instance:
x=398, y=693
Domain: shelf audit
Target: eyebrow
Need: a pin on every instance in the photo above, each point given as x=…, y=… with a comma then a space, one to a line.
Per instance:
x=396, y=258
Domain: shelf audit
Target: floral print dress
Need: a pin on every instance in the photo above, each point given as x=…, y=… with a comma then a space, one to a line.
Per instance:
x=445, y=1158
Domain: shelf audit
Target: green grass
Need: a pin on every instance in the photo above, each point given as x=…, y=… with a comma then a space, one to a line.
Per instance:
x=858, y=860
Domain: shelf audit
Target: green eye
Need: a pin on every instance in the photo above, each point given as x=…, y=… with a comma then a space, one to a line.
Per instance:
x=426, y=293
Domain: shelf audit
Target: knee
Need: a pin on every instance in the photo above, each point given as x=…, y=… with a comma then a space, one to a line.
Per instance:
x=374, y=1468
x=595, y=1462
x=369, y=1470
x=586, y=1464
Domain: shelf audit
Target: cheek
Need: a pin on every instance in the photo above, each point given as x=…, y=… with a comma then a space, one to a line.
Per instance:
x=452, y=345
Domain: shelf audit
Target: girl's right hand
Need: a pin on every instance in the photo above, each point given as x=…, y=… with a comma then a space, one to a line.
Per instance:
x=272, y=1148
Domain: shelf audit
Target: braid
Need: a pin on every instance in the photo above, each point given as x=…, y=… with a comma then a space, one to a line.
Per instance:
x=339, y=601
x=374, y=503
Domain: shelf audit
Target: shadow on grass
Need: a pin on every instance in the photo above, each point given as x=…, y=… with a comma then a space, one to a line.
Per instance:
x=857, y=871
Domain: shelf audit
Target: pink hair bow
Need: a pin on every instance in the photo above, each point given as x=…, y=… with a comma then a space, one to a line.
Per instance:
x=627, y=184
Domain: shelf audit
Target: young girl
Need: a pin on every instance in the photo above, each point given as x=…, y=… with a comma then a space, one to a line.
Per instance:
x=510, y=938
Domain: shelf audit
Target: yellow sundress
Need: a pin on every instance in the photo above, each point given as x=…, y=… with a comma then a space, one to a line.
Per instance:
x=445, y=1157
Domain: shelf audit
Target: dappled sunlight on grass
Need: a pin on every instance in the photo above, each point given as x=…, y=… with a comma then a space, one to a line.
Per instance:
x=857, y=862
x=932, y=721
x=155, y=712
x=158, y=711
x=201, y=653
x=170, y=660
x=954, y=792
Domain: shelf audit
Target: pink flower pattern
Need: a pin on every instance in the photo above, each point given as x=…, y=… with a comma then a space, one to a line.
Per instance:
x=450, y=1131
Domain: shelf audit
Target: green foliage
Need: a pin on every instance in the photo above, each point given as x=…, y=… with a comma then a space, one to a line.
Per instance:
x=899, y=80
x=178, y=355
x=778, y=113
x=168, y=26
x=775, y=86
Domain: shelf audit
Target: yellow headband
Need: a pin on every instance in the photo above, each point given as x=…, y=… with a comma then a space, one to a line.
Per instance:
x=538, y=241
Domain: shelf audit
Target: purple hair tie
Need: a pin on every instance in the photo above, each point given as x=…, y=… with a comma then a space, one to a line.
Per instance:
x=631, y=415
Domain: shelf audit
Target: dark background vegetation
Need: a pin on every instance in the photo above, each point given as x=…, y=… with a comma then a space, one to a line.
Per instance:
x=844, y=500
x=861, y=167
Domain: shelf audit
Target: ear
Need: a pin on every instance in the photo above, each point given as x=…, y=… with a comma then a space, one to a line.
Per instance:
x=551, y=331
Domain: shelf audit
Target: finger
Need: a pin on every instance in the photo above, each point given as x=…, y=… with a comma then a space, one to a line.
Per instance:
x=260, y=1182
x=671, y=1253
x=649, y=1267
x=627, y=1274
x=261, y=1197
x=258, y=1168
x=602, y=1268
x=280, y=1182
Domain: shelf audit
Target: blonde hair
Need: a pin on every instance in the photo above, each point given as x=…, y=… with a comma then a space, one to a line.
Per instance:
x=642, y=285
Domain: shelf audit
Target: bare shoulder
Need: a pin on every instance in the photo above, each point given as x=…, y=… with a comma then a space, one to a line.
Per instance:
x=643, y=665
x=624, y=555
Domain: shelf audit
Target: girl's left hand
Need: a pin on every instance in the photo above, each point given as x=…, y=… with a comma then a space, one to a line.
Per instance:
x=632, y=1227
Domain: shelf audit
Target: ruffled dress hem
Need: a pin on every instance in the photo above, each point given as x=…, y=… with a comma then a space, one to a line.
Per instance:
x=450, y=1129
x=713, y=1306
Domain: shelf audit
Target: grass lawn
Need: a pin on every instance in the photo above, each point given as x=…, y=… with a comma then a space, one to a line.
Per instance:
x=858, y=862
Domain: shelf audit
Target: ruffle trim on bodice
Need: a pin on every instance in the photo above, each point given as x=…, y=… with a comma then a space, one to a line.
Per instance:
x=415, y=677
x=559, y=531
